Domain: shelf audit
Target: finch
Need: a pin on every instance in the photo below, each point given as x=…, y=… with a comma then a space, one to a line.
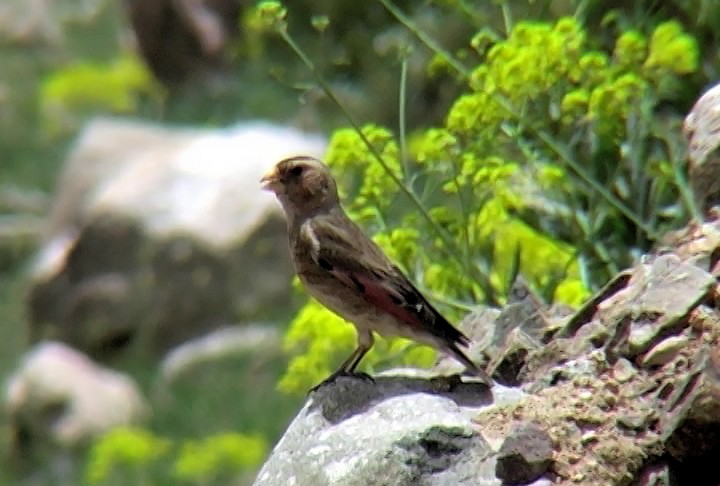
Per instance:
x=348, y=273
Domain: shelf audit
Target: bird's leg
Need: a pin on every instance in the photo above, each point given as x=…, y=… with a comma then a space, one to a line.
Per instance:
x=365, y=342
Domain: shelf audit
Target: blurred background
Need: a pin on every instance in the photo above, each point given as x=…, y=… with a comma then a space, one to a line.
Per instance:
x=145, y=287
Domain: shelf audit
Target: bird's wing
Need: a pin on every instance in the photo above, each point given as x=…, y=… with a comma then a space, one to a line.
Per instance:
x=339, y=247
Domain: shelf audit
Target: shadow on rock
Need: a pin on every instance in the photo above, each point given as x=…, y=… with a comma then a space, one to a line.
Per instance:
x=348, y=395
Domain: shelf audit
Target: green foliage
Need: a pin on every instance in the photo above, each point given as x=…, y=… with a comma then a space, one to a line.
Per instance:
x=219, y=456
x=552, y=157
x=136, y=456
x=84, y=87
x=268, y=16
x=129, y=450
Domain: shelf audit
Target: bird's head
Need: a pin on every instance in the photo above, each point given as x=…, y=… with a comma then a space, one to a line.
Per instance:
x=303, y=185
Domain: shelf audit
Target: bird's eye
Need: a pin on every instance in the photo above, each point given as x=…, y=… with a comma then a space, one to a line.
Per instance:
x=296, y=171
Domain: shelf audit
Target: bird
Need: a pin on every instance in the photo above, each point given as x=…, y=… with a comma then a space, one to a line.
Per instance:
x=349, y=273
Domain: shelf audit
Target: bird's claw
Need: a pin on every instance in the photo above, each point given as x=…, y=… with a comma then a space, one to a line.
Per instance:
x=362, y=376
x=338, y=374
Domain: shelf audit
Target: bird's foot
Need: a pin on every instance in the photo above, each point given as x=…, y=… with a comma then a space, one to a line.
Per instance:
x=338, y=374
x=363, y=376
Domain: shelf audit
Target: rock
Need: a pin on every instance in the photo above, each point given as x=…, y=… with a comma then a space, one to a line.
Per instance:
x=701, y=131
x=664, y=351
x=610, y=377
x=230, y=341
x=28, y=22
x=511, y=359
x=182, y=38
x=697, y=243
x=655, y=475
x=43, y=22
x=524, y=310
x=60, y=399
x=636, y=421
x=623, y=371
x=588, y=309
x=519, y=328
x=398, y=430
x=657, y=297
x=567, y=370
x=525, y=455
x=479, y=326
x=160, y=235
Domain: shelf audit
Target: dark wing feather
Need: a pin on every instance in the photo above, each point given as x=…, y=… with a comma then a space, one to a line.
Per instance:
x=346, y=253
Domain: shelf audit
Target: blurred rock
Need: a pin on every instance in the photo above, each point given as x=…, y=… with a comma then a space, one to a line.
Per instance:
x=60, y=399
x=33, y=22
x=179, y=38
x=230, y=341
x=702, y=131
x=159, y=235
x=28, y=22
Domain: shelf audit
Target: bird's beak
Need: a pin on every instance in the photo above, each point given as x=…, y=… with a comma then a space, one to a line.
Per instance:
x=271, y=180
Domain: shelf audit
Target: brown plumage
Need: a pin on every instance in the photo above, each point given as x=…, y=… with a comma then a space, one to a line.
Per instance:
x=348, y=273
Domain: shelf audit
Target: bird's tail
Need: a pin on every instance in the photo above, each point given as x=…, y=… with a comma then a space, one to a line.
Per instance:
x=474, y=369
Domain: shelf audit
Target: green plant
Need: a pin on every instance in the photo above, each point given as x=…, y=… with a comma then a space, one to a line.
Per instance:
x=219, y=456
x=85, y=87
x=553, y=163
x=127, y=451
x=137, y=456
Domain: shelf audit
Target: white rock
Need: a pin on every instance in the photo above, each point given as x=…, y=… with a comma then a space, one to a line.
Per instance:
x=62, y=396
x=222, y=343
x=397, y=430
x=176, y=219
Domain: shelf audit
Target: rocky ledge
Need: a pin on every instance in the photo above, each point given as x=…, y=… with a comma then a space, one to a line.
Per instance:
x=624, y=391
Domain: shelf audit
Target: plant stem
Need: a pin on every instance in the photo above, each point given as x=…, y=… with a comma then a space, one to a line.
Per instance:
x=507, y=17
x=401, y=116
x=680, y=179
x=424, y=38
x=465, y=214
x=594, y=184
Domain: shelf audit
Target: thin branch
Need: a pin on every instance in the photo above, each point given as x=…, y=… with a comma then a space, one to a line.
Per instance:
x=401, y=115
x=425, y=39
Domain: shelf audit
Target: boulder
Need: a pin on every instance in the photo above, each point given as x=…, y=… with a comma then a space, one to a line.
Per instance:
x=701, y=132
x=624, y=391
x=524, y=455
x=59, y=399
x=28, y=23
x=181, y=38
x=401, y=429
x=253, y=340
x=158, y=235
x=32, y=23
